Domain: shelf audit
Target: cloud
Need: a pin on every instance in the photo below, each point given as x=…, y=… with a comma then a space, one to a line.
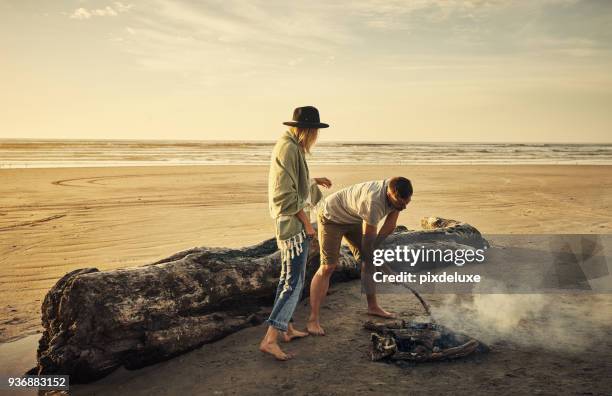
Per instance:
x=119, y=6
x=423, y=40
x=222, y=40
x=114, y=10
x=274, y=24
x=295, y=62
x=107, y=11
x=80, y=13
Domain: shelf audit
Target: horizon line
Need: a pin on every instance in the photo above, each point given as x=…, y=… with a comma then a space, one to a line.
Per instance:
x=357, y=142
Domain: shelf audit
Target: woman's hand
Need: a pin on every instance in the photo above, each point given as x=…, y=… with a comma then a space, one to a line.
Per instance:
x=310, y=231
x=323, y=181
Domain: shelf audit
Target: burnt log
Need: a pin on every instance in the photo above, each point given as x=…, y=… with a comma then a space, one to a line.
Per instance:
x=95, y=321
x=419, y=342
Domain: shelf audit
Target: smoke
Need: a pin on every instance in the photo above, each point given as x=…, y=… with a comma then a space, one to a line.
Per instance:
x=562, y=322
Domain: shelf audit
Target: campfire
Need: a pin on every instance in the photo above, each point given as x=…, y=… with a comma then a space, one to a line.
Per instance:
x=419, y=342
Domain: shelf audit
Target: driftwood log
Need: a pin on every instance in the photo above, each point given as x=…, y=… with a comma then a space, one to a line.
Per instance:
x=97, y=321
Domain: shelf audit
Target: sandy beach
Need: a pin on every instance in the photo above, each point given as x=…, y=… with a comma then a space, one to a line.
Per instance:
x=137, y=251
x=337, y=363
x=55, y=220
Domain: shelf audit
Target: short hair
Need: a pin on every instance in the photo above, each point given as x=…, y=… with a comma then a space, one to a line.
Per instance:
x=400, y=187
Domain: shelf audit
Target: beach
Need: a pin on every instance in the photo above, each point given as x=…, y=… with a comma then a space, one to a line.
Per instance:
x=141, y=142
x=338, y=363
x=54, y=220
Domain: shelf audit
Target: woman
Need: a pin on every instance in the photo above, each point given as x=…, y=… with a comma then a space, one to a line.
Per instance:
x=290, y=194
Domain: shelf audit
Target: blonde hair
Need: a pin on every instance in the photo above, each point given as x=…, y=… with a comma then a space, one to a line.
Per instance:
x=306, y=137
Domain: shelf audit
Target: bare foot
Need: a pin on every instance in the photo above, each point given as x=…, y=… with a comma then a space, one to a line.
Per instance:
x=378, y=311
x=315, y=328
x=273, y=349
x=292, y=333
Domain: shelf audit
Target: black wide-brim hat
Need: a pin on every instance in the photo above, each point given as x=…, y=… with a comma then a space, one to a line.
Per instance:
x=306, y=117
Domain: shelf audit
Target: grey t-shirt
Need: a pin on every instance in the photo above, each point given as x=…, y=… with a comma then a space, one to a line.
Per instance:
x=357, y=203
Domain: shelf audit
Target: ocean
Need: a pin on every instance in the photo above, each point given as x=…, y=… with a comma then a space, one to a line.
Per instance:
x=16, y=153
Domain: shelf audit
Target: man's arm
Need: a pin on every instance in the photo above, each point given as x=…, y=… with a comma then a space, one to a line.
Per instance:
x=387, y=228
x=371, y=238
x=367, y=250
x=367, y=242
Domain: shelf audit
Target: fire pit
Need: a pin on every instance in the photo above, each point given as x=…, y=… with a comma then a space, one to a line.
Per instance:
x=419, y=342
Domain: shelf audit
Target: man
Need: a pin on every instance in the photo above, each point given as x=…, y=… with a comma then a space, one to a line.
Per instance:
x=353, y=214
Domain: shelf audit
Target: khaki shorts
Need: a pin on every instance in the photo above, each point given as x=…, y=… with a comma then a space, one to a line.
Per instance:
x=330, y=239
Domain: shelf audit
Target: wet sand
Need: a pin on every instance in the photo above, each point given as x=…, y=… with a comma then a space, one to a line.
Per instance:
x=55, y=220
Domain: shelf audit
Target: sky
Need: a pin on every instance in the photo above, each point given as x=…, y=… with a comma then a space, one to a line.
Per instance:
x=419, y=70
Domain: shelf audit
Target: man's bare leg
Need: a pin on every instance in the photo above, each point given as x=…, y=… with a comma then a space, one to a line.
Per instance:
x=270, y=346
x=376, y=310
x=318, y=291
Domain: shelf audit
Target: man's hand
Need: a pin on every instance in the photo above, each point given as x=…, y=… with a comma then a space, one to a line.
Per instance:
x=323, y=181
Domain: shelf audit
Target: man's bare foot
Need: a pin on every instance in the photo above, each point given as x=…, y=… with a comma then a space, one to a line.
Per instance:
x=292, y=333
x=315, y=328
x=273, y=349
x=378, y=311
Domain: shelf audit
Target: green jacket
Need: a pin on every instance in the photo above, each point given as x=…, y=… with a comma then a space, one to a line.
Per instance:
x=289, y=186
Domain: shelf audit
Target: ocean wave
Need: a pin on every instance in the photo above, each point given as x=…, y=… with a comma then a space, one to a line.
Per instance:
x=70, y=153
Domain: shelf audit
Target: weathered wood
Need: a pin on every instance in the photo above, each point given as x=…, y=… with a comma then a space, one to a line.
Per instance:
x=97, y=321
